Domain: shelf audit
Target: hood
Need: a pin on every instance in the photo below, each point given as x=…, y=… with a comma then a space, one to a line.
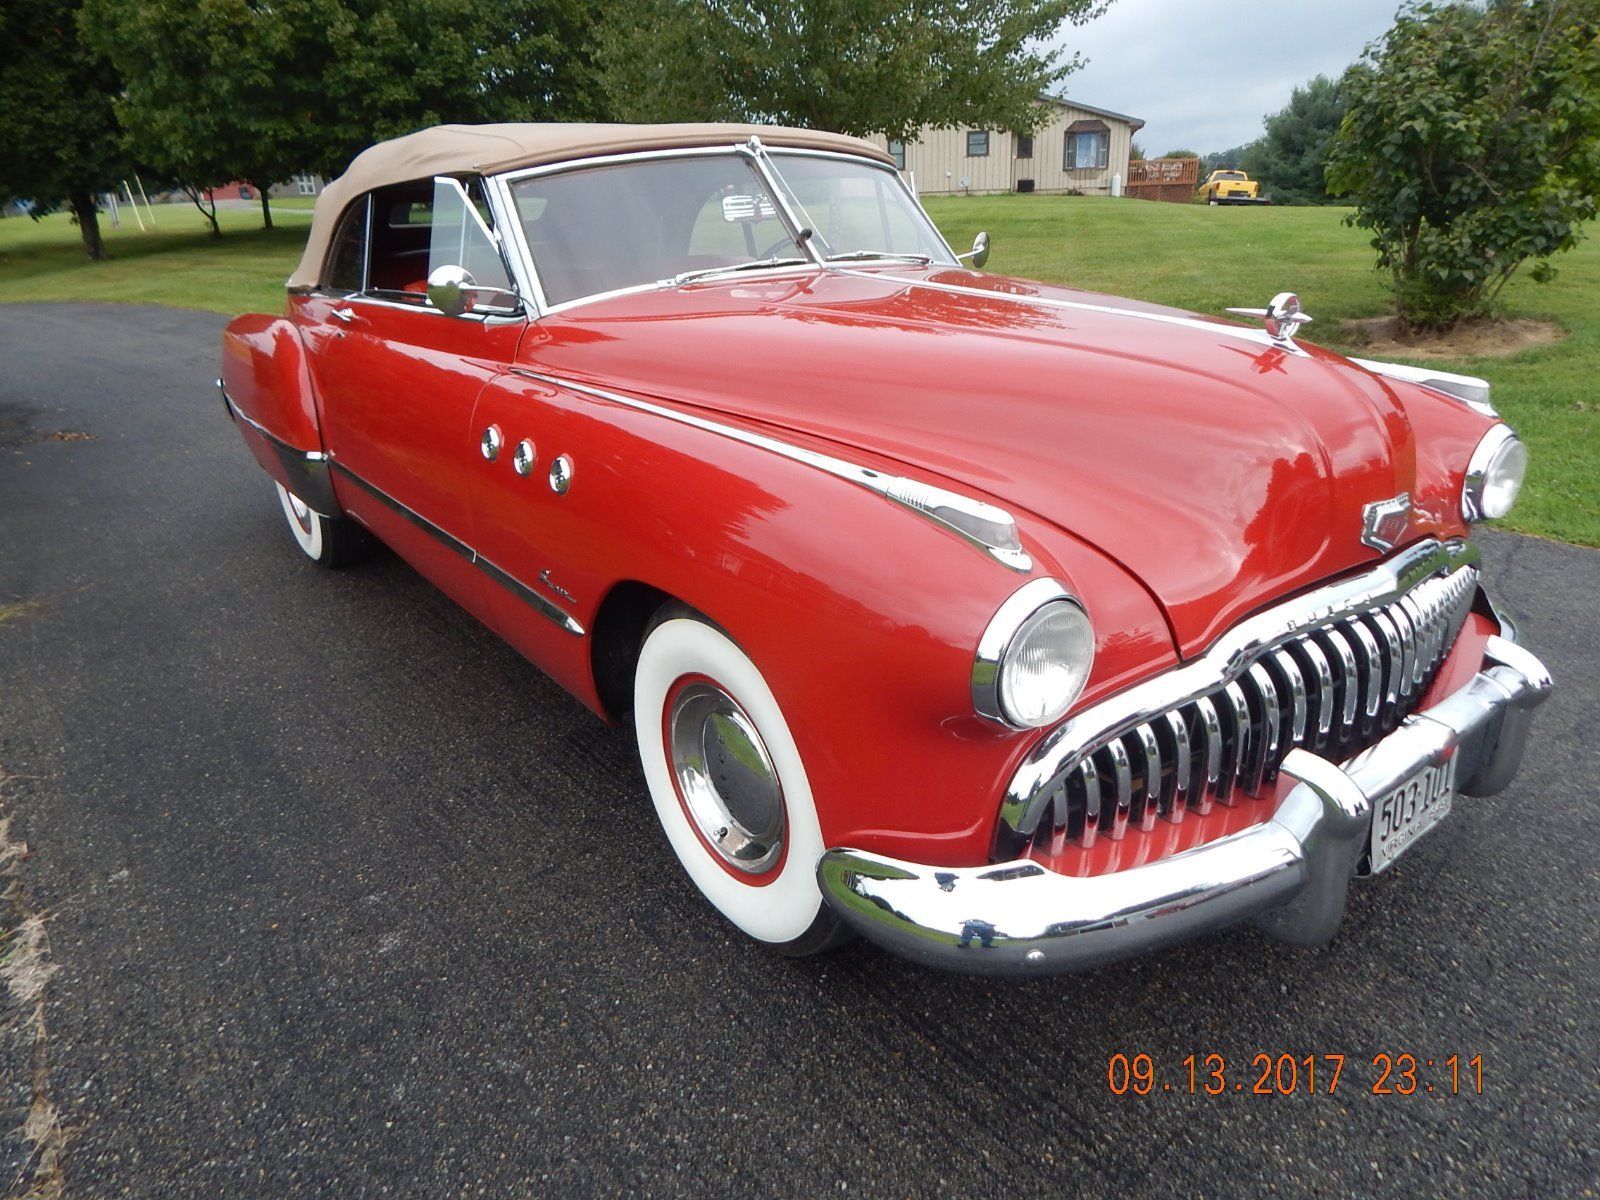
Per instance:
x=1220, y=470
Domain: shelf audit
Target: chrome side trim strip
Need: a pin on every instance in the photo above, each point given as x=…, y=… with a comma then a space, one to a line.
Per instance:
x=504, y=578
x=1224, y=661
x=908, y=493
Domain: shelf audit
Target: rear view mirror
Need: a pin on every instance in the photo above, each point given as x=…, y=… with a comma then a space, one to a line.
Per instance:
x=979, y=254
x=449, y=290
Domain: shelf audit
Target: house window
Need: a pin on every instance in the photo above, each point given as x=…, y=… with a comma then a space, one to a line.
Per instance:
x=1088, y=146
x=897, y=151
x=1024, y=145
x=977, y=143
x=306, y=185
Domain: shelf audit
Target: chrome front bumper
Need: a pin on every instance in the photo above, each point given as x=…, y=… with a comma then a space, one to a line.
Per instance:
x=1290, y=873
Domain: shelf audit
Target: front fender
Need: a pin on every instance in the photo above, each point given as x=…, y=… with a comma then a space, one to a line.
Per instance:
x=862, y=615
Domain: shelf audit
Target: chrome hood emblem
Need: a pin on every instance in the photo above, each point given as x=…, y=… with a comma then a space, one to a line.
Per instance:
x=1384, y=522
x=1281, y=317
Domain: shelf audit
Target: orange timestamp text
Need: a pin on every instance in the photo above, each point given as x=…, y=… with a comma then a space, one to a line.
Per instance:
x=1286, y=1074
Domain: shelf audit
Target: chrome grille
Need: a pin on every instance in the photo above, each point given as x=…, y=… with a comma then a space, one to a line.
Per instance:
x=1334, y=689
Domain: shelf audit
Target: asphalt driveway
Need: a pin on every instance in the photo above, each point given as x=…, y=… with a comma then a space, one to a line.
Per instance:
x=347, y=899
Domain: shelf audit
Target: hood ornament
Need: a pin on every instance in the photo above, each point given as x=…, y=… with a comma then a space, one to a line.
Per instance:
x=1384, y=522
x=1282, y=317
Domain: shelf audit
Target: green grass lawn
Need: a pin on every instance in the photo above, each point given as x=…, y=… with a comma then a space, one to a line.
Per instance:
x=1191, y=256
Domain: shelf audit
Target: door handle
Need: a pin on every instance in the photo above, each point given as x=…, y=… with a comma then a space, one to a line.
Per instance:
x=344, y=314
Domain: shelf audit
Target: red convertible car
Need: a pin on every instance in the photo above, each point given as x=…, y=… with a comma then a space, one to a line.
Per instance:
x=1013, y=627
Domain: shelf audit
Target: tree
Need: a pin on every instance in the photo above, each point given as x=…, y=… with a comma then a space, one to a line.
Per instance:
x=237, y=89
x=856, y=66
x=1291, y=154
x=1135, y=152
x=1471, y=144
x=1226, y=160
x=1180, y=154
x=57, y=125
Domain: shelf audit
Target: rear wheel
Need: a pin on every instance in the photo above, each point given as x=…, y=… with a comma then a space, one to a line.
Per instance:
x=326, y=541
x=728, y=785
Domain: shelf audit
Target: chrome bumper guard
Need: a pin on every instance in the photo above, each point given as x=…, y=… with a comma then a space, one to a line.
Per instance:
x=1290, y=873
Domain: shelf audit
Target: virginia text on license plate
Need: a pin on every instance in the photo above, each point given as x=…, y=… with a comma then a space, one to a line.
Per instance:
x=1409, y=811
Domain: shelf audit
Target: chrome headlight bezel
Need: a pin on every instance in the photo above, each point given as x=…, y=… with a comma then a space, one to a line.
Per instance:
x=1004, y=636
x=1498, y=455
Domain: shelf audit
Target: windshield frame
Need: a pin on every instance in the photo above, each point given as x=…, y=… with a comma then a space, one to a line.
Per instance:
x=517, y=241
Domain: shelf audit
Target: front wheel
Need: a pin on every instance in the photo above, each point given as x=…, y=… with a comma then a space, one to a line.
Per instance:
x=728, y=784
x=326, y=541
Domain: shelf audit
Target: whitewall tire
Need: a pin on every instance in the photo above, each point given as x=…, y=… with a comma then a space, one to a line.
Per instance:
x=728, y=785
x=327, y=541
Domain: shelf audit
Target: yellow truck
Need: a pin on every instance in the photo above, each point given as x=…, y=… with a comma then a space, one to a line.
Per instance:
x=1231, y=187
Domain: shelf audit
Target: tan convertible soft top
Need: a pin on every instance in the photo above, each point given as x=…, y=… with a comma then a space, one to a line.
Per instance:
x=486, y=149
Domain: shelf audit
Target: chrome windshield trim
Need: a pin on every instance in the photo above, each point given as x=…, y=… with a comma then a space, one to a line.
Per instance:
x=517, y=246
x=1228, y=658
x=899, y=489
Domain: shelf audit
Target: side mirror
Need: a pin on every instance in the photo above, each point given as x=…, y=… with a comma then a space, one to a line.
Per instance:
x=449, y=290
x=979, y=254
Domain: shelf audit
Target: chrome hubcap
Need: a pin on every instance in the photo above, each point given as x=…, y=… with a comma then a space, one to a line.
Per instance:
x=302, y=514
x=726, y=777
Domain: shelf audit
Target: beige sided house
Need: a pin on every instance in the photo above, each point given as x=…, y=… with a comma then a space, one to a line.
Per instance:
x=1079, y=149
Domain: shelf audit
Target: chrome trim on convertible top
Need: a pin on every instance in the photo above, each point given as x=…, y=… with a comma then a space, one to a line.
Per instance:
x=924, y=499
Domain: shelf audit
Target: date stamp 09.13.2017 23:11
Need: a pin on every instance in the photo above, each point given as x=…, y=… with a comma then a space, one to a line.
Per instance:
x=1287, y=1074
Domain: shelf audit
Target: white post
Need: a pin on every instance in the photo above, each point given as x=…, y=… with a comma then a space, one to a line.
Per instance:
x=133, y=205
x=146, y=200
x=116, y=215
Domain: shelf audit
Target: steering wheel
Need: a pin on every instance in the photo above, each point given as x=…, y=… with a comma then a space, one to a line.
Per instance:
x=773, y=249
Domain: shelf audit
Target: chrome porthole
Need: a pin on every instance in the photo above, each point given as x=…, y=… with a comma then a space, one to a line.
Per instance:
x=561, y=475
x=491, y=441
x=522, y=458
x=725, y=777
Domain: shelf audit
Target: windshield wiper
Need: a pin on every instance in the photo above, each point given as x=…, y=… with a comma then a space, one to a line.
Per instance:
x=860, y=255
x=683, y=277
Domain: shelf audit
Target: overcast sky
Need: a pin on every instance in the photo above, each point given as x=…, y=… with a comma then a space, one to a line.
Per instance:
x=1203, y=73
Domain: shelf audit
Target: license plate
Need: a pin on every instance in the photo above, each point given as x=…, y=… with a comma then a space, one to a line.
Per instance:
x=1409, y=811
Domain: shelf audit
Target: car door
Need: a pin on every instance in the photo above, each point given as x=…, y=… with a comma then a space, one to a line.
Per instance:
x=398, y=378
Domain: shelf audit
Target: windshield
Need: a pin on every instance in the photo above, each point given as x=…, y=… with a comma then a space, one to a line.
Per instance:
x=605, y=228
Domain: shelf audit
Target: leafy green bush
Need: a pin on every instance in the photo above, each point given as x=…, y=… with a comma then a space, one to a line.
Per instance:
x=1471, y=144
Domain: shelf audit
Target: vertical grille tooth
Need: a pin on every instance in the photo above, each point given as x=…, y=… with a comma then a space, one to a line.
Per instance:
x=1371, y=659
x=1319, y=690
x=1393, y=656
x=1175, y=794
x=1267, y=722
x=1408, y=648
x=1347, y=682
x=1120, y=773
x=1207, y=736
x=1149, y=806
x=1419, y=626
x=1085, y=780
x=1295, y=697
x=1235, y=711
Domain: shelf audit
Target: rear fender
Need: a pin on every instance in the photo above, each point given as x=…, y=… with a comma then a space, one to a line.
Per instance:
x=266, y=388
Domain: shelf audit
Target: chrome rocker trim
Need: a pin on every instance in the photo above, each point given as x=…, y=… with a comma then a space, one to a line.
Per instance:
x=1290, y=873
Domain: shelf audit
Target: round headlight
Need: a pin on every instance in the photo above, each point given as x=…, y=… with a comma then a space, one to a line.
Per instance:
x=1046, y=664
x=1494, y=475
x=1034, y=657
